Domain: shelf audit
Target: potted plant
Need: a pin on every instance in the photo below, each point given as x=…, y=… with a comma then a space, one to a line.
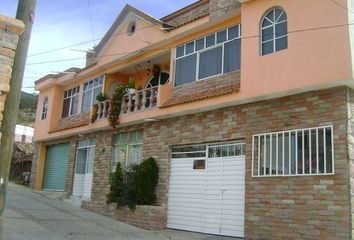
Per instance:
x=101, y=97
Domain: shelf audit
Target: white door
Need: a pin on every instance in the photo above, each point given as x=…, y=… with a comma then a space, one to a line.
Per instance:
x=83, y=172
x=208, y=198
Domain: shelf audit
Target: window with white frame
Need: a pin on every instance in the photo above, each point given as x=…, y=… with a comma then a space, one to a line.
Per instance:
x=298, y=152
x=85, y=156
x=45, y=108
x=274, y=31
x=91, y=90
x=212, y=55
x=127, y=149
x=71, y=101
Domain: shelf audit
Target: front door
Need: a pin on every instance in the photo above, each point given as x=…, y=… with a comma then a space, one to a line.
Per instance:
x=83, y=169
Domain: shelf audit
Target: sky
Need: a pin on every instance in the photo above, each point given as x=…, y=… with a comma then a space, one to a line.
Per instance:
x=61, y=23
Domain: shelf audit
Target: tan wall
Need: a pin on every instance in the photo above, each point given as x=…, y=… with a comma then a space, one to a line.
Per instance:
x=10, y=30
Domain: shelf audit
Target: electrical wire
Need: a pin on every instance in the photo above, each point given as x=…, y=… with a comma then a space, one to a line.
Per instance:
x=156, y=49
x=341, y=6
x=113, y=35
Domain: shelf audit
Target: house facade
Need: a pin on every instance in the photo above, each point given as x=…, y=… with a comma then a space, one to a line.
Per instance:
x=247, y=106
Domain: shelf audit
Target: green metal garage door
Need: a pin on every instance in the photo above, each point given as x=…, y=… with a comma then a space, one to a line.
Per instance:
x=56, y=167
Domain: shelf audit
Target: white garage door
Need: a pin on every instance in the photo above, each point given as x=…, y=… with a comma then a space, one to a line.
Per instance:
x=207, y=189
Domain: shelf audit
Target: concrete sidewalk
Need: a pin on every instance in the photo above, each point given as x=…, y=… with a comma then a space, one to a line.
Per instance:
x=30, y=216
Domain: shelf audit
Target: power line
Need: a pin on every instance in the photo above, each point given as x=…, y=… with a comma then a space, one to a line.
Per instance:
x=98, y=39
x=341, y=6
x=242, y=38
x=91, y=22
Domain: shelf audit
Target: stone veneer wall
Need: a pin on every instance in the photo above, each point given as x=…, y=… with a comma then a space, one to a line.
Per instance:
x=311, y=207
x=350, y=136
x=10, y=30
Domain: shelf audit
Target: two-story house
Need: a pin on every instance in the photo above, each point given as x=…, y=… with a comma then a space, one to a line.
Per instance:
x=247, y=106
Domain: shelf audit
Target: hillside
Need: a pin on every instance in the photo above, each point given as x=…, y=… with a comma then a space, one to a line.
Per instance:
x=27, y=109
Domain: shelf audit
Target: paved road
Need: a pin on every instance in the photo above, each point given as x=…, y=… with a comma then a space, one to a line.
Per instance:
x=30, y=216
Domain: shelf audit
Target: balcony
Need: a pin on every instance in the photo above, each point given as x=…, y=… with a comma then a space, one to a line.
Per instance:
x=135, y=101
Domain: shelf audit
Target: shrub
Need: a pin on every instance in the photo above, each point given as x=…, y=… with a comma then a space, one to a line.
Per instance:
x=135, y=185
x=146, y=179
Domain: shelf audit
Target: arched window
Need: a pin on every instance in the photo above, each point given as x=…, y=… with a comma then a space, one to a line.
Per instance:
x=158, y=77
x=45, y=108
x=274, y=31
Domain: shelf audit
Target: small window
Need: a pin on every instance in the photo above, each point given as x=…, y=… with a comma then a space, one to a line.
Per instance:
x=131, y=28
x=45, y=108
x=127, y=149
x=199, y=164
x=70, y=102
x=274, y=31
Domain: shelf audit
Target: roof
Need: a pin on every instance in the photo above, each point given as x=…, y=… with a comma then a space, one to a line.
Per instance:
x=56, y=76
x=23, y=152
x=119, y=20
x=188, y=10
x=72, y=122
x=223, y=90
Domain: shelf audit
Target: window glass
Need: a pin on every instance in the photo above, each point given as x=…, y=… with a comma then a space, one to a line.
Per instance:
x=232, y=55
x=86, y=101
x=74, y=104
x=274, y=31
x=268, y=47
x=199, y=44
x=44, y=108
x=66, y=108
x=190, y=48
x=281, y=43
x=207, y=60
x=210, y=40
x=186, y=69
x=127, y=149
x=267, y=34
x=221, y=36
x=81, y=161
x=180, y=51
x=210, y=62
x=91, y=90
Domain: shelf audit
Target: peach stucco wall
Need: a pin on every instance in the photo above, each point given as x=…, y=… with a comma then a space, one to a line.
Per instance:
x=318, y=55
x=312, y=57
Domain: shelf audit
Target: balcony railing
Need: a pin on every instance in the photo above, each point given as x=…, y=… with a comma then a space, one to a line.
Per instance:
x=103, y=109
x=134, y=101
x=140, y=100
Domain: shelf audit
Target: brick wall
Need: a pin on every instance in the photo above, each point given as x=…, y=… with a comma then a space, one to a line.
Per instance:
x=200, y=9
x=10, y=30
x=312, y=207
x=203, y=89
x=219, y=8
x=350, y=135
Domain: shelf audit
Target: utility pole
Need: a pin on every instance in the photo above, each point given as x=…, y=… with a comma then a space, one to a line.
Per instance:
x=25, y=13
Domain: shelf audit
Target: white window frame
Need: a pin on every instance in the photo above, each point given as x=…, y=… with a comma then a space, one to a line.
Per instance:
x=148, y=85
x=256, y=140
x=273, y=25
x=127, y=146
x=93, y=88
x=87, y=144
x=44, y=108
x=66, y=96
x=198, y=52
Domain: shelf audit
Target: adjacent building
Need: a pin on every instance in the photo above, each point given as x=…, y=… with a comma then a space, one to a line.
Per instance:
x=246, y=105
